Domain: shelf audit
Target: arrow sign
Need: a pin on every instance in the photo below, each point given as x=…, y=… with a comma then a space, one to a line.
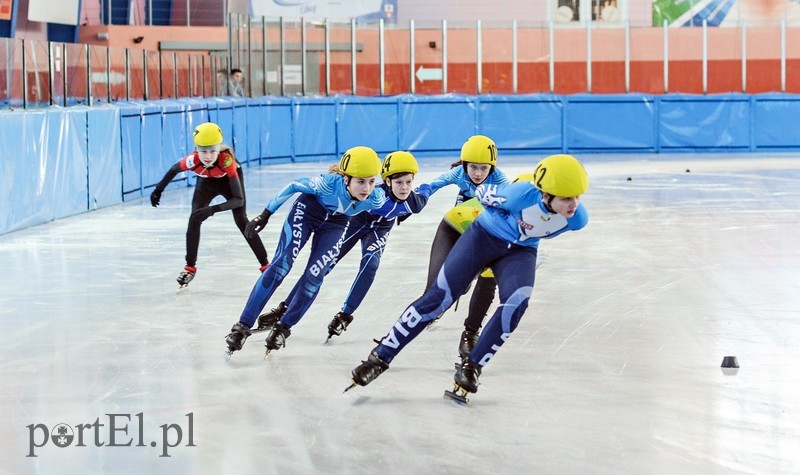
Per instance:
x=429, y=74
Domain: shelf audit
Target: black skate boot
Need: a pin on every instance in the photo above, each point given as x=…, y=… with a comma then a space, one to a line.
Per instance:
x=186, y=276
x=468, y=340
x=236, y=338
x=339, y=324
x=268, y=319
x=467, y=376
x=368, y=370
x=276, y=338
x=465, y=381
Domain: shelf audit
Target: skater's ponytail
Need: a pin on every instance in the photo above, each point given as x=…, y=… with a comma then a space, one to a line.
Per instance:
x=334, y=170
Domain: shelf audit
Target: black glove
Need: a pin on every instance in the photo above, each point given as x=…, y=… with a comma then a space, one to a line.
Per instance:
x=155, y=197
x=202, y=214
x=257, y=224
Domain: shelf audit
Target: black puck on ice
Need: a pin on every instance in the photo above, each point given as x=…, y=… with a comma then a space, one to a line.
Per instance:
x=688, y=171
x=730, y=362
x=630, y=179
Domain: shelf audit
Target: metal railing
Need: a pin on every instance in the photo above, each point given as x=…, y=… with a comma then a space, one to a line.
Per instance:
x=298, y=57
x=40, y=74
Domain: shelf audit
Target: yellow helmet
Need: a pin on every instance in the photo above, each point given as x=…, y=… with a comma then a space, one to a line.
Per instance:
x=360, y=162
x=523, y=177
x=561, y=175
x=479, y=149
x=207, y=134
x=399, y=162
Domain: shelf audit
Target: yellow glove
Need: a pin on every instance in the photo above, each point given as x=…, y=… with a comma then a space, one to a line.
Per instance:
x=460, y=217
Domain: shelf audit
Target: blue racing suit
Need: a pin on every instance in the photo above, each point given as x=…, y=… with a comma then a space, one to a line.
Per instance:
x=505, y=237
x=323, y=210
x=372, y=229
x=457, y=176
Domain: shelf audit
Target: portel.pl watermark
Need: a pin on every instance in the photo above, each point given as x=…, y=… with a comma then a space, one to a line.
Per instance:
x=116, y=430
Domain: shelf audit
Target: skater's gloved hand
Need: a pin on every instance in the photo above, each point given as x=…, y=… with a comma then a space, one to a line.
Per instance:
x=202, y=214
x=257, y=224
x=155, y=197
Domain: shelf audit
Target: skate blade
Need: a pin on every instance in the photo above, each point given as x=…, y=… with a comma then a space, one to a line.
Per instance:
x=182, y=289
x=458, y=394
x=228, y=354
x=456, y=397
x=352, y=385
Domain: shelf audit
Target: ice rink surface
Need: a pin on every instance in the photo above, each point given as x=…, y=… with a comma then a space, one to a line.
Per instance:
x=615, y=367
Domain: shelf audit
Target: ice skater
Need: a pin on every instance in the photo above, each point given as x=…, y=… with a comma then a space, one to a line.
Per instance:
x=478, y=165
x=505, y=237
x=219, y=174
x=460, y=218
x=323, y=209
x=372, y=229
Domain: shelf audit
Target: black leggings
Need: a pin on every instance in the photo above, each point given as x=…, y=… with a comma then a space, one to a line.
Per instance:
x=482, y=296
x=205, y=191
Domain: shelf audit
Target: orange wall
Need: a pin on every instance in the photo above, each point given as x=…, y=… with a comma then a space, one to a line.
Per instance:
x=570, y=53
x=121, y=36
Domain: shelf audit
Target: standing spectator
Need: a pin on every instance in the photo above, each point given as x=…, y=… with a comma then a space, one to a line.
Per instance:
x=235, y=83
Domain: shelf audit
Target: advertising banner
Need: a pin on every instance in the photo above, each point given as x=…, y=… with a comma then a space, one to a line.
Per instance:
x=332, y=9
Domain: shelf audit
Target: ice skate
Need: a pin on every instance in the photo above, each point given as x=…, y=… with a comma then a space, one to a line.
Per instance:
x=465, y=381
x=458, y=394
x=339, y=324
x=186, y=276
x=276, y=338
x=268, y=319
x=236, y=338
x=468, y=340
x=368, y=370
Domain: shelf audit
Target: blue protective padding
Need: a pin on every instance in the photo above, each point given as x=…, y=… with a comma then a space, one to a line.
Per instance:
x=277, y=129
x=220, y=111
x=45, y=171
x=315, y=126
x=196, y=113
x=66, y=182
x=255, y=129
x=131, y=134
x=522, y=123
x=173, y=142
x=614, y=122
x=772, y=113
x=439, y=124
x=704, y=122
x=368, y=121
x=238, y=138
x=23, y=198
x=105, y=157
x=153, y=164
